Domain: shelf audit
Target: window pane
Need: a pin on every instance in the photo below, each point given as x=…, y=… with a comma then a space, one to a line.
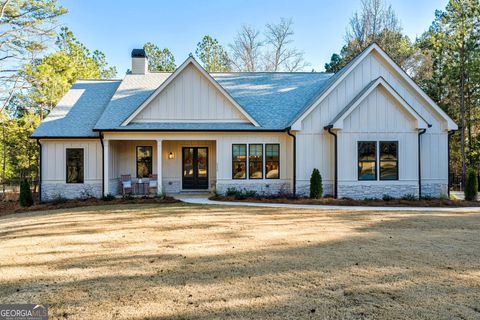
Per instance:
x=272, y=170
x=256, y=152
x=367, y=150
x=366, y=170
x=144, y=161
x=388, y=160
x=239, y=152
x=388, y=170
x=188, y=162
x=256, y=171
x=74, y=159
x=272, y=152
x=202, y=162
x=239, y=170
x=388, y=151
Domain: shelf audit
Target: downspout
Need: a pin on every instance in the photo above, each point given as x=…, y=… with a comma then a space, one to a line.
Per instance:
x=40, y=171
x=335, y=182
x=294, y=184
x=420, y=132
x=450, y=134
x=103, y=163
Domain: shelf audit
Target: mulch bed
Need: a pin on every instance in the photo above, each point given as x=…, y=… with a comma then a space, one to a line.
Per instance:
x=351, y=202
x=9, y=207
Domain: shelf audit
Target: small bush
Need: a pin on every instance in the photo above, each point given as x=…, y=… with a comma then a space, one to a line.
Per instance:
x=427, y=197
x=231, y=192
x=160, y=195
x=58, y=198
x=409, y=197
x=471, y=185
x=108, y=197
x=127, y=196
x=26, y=197
x=316, y=187
x=387, y=197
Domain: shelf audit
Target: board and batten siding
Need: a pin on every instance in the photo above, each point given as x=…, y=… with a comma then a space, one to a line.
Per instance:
x=54, y=169
x=190, y=97
x=220, y=157
x=315, y=146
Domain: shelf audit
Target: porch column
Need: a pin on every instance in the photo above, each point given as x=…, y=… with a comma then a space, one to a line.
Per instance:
x=106, y=161
x=159, y=167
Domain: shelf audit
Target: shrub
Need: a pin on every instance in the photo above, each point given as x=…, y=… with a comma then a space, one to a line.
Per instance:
x=387, y=197
x=127, y=196
x=58, y=198
x=231, y=192
x=471, y=185
x=409, y=197
x=26, y=197
x=108, y=197
x=316, y=187
x=427, y=197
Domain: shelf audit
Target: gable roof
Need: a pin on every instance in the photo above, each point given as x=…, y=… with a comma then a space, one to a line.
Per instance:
x=190, y=61
x=271, y=98
x=78, y=110
x=340, y=75
x=337, y=122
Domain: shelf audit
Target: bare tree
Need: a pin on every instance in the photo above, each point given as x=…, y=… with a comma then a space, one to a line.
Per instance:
x=246, y=50
x=281, y=56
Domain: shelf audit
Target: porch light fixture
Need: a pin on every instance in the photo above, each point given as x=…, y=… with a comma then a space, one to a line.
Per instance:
x=171, y=155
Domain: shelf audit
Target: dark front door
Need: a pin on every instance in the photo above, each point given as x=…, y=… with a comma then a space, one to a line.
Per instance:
x=195, y=168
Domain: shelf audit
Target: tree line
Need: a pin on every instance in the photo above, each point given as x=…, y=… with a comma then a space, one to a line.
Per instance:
x=40, y=61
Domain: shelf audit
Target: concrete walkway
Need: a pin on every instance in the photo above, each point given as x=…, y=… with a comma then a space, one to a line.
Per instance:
x=203, y=199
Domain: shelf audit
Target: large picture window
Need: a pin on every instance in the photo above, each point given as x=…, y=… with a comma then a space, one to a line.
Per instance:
x=239, y=161
x=75, y=165
x=255, y=158
x=367, y=160
x=388, y=160
x=272, y=161
x=144, y=161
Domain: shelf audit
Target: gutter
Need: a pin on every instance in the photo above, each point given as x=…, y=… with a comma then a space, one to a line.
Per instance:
x=103, y=163
x=420, y=132
x=450, y=134
x=335, y=189
x=294, y=161
x=40, y=171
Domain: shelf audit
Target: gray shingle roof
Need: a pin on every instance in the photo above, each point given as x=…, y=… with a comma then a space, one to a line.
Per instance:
x=79, y=110
x=272, y=99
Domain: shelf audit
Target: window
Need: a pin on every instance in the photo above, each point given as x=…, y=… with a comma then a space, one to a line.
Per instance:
x=272, y=161
x=144, y=162
x=367, y=160
x=74, y=165
x=388, y=160
x=255, y=158
x=239, y=161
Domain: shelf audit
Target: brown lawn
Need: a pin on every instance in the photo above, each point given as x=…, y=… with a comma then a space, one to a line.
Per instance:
x=201, y=262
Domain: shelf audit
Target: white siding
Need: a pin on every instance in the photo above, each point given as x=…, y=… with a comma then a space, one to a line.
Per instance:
x=54, y=162
x=220, y=154
x=190, y=97
x=376, y=120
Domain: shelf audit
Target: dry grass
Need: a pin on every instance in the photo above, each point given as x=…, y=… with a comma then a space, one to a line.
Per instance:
x=184, y=261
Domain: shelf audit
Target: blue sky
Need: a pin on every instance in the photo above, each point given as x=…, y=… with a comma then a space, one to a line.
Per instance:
x=116, y=27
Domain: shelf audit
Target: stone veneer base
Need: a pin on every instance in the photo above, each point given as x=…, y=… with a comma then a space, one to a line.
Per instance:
x=54, y=191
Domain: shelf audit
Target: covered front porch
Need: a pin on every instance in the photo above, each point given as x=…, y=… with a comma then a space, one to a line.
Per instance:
x=132, y=166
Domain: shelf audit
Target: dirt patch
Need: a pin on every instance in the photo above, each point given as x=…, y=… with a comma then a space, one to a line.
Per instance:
x=351, y=202
x=9, y=207
x=182, y=261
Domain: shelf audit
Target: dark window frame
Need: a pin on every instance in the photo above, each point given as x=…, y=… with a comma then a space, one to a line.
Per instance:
x=265, y=165
x=369, y=161
x=380, y=160
x=237, y=161
x=136, y=160
x=255, y=161
x=83, y=166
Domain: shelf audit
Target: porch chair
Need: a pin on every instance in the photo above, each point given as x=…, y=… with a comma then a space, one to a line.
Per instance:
x=152, y=183
x=126, y=181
